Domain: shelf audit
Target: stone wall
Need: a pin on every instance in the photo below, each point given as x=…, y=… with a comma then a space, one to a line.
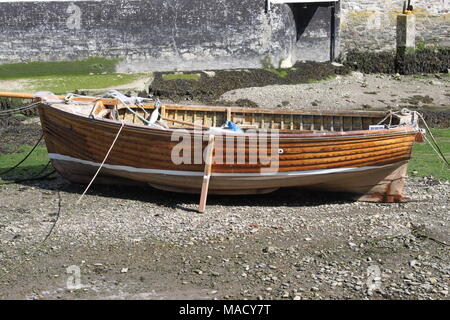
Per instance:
x=371, y=24
x=162, y=34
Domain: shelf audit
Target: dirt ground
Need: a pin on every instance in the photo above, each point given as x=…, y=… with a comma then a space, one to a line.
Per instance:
x=141, y=243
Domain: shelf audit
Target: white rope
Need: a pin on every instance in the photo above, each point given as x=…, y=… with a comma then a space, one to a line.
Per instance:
x=435, y=147
x=104, y=160
x=435, y=150
x=432, y=142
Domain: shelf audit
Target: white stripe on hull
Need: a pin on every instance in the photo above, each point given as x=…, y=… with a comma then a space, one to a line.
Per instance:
x=55, y=156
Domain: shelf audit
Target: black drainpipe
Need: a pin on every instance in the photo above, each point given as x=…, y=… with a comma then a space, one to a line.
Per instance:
x=333, y=31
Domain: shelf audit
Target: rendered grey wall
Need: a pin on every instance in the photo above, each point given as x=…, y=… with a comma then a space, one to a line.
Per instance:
x=160, y=34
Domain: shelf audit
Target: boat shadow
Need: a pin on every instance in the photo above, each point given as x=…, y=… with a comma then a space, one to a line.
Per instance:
x=285, y=197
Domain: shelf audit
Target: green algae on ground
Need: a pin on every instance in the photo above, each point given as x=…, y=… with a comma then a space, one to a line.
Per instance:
x=329, y=78
x=180, y=76
x=282, y=73
x=67, y=76
x=37, y=69
x=71, y=83
x=34, y=165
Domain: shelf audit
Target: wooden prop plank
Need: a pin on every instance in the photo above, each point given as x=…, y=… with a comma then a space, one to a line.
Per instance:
x=206, y=174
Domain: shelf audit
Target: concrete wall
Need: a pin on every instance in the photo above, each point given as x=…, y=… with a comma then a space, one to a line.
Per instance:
x=162, y=34
x=206, y=34
x=371, y=24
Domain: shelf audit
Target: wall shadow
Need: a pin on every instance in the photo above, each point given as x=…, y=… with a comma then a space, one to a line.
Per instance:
x=303, y=15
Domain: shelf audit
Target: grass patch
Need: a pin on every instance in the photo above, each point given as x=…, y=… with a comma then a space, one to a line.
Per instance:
x=70, y=83
x=180, y=76
x=38, y=69
x=32, y=166
x=425, y=162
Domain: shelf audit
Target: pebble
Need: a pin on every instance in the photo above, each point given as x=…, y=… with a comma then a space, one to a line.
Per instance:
x=270, y=250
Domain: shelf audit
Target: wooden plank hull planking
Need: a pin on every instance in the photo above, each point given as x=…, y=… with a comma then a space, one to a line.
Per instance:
x=332, y=151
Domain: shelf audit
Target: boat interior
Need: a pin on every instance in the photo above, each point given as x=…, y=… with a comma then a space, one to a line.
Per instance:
x=285, y=121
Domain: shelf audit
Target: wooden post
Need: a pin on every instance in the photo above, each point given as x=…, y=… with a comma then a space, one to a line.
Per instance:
x=207, y=174
x=162, y=111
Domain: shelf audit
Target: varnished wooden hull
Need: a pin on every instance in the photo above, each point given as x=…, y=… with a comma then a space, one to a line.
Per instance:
x=370, y=164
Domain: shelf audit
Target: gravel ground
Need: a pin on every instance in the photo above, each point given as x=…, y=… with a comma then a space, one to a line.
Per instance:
x=368, y=91
x=133, y=243
x=141, y=243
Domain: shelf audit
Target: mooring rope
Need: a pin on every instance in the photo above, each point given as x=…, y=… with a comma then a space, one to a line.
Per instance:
x=433, y=143
x=436, y=147
x=8, y=112
x=36, y=176
x=101, y=166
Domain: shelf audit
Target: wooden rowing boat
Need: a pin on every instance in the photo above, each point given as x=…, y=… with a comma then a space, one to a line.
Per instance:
x=322, y=150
